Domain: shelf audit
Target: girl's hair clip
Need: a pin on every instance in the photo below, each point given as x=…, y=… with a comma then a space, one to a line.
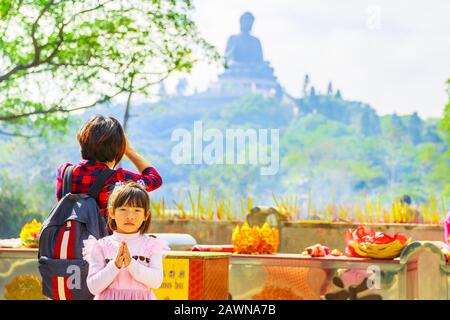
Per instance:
x=121, y=183
x=141, y=182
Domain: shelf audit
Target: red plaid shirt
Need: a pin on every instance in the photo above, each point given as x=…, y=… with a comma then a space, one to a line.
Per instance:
x=86, y=171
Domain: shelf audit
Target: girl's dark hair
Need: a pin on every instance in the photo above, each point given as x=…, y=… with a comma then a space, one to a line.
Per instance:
x=102, y=139
x=131, y=194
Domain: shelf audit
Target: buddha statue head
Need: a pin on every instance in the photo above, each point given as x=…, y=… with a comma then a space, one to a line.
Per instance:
x=246, y=21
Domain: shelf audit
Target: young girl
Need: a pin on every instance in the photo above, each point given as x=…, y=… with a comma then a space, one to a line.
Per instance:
x=127, y=264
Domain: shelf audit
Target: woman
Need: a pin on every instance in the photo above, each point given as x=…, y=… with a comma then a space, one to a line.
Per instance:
x=103, y=144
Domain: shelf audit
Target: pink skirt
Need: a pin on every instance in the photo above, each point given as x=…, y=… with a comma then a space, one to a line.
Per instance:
x=126, y=294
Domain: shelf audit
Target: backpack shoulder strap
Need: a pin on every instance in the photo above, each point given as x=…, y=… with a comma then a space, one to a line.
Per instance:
x=100, y=182
x=67, y=180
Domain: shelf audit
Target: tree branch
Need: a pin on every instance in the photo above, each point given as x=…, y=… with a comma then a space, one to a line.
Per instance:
x=37, y=60
x=37, y=49
x=19, y=135
x=75, y=65
x=58, y=109
x=156, y=82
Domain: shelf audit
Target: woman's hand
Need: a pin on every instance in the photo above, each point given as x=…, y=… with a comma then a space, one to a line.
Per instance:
x=126, y=255
x=139, y=161
x=119, y=258
x=128, y=149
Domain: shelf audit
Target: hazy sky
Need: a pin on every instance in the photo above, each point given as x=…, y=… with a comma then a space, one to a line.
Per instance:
x=394, y=55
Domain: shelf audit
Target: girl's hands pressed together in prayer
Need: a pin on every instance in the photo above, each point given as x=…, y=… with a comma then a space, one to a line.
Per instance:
x=123, y=256
x=126, y=255
x=119, y=259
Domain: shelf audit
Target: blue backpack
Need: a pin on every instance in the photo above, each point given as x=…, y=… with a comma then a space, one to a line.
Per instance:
x=70, y=222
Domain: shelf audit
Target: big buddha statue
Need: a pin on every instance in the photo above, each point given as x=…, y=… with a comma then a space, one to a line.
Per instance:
x=244, y=48
x=246, y=69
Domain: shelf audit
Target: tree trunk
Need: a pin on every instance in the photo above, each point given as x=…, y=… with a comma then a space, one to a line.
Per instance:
x=126, y=116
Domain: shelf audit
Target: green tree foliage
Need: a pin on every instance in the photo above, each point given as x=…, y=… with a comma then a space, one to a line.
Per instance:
x=445, y=124
x=58, y=57
x=444, y=164
x=14, y=209
x=415, y=128
x=359, y=115
x=258, y=111
x=330, y=89
x=305, y=86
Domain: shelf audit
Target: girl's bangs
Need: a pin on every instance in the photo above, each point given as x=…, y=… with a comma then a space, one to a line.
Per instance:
x=132, y=198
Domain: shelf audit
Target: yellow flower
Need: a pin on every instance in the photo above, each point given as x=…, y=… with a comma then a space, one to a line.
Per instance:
x=255, y=240
x=30, y=234
x=269, y=239
x=24, y=287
